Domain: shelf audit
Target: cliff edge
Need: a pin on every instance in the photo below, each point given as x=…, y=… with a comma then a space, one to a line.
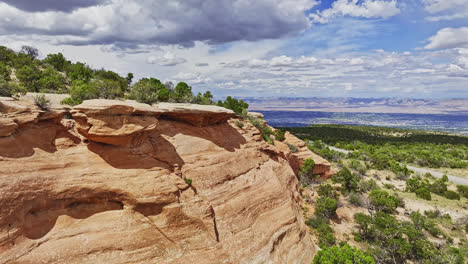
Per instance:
x=123, y=182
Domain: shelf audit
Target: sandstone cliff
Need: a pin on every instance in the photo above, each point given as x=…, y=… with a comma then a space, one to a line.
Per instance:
x=106, y=182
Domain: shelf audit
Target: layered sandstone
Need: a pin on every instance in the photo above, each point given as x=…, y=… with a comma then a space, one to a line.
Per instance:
x=106, y=183
x=297, y=158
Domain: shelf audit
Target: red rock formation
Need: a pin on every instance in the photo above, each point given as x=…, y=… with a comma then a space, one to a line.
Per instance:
x=108, y=187
x=297, y=159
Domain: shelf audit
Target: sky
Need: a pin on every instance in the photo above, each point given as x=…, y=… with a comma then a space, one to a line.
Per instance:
x=259, y=48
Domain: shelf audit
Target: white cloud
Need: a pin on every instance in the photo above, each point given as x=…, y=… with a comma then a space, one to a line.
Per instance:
x=446, y=9
x=168, y=59
x=449, y=38
x=128, y=24
x=355, y=8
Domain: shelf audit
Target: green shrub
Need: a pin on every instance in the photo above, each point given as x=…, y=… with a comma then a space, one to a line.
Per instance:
x=325, y=236
x=342, y=255
x=412, y=184
x=382, y=201
x=279, y=135
x=369, y=185
x=239, y=124
x=188, y=181
x=463, y=190
x=146, y=91
x=434, y=231
x=42, y=102
x=306, y=172
x=326, y=207
x=5, y=71
x=438, y=187
x=433, y=213
x=355, y=198
x=348, y=180
x=238, y=106
x=326, y=190
x=451, y=195
x=466, y=227
x=423, y=193
x=80, y=91
x=292, y=147
x=315, y=221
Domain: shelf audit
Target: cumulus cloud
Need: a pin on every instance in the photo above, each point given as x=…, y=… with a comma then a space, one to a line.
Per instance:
x=365, y=74
x=145, y=22
x=48, y=5
x=168, y=59
x=356, y=8
x=446, y=9
x=449, y=38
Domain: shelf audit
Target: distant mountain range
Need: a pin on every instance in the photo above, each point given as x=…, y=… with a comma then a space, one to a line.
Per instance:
x=360, y=105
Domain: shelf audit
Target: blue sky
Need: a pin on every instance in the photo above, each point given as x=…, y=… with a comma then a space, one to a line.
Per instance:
x=358, y=48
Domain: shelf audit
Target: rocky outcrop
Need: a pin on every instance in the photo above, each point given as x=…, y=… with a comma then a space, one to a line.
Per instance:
x=297, y=157
x=122, y=182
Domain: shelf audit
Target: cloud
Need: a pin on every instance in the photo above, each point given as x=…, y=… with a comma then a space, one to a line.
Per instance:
x=447, y=38
x=355, y=8
x=159, y=22
x=373, y=73
x=51, y=5
x=202, y=64
x=446, y=9
x=168, y=59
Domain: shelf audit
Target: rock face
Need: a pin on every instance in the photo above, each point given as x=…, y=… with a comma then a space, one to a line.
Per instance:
x=107, y=182
x=296, y=159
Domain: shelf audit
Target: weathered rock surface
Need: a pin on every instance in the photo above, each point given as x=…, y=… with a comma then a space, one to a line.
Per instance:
x=297, y=159
x=108, y=187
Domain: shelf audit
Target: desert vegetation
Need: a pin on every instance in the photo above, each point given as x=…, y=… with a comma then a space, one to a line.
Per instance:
x=375, y=207
x=24, y=71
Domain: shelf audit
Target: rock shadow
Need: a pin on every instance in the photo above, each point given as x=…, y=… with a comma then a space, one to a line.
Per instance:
x=154, y=151
x=222, y=134
x=43, y=215
x=41, y=135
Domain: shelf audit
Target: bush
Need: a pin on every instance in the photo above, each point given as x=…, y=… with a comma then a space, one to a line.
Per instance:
x=145, y=91
x=279, y=135
x=182, y=93
x=326, y=207
x=423, y=193
x=451, y=195
x=365, y=186
x=306, y=172
x=433, y=213
x=238, y=106
x=348, y=180
x=466, y=227
x=315, y=221
x=355, y=199
x=434, y=231
x=438, y=187
x=239, y=124
x=382, y=201
x=325, y=236
x=342, y=255
x=188, y=181
x=326, y=190
x=42, y=102
x=80, y=91
x=463, y=190
x=412, y=184
x=292, y=147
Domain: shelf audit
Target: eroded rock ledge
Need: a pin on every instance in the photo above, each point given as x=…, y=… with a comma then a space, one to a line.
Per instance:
x=104, y=183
